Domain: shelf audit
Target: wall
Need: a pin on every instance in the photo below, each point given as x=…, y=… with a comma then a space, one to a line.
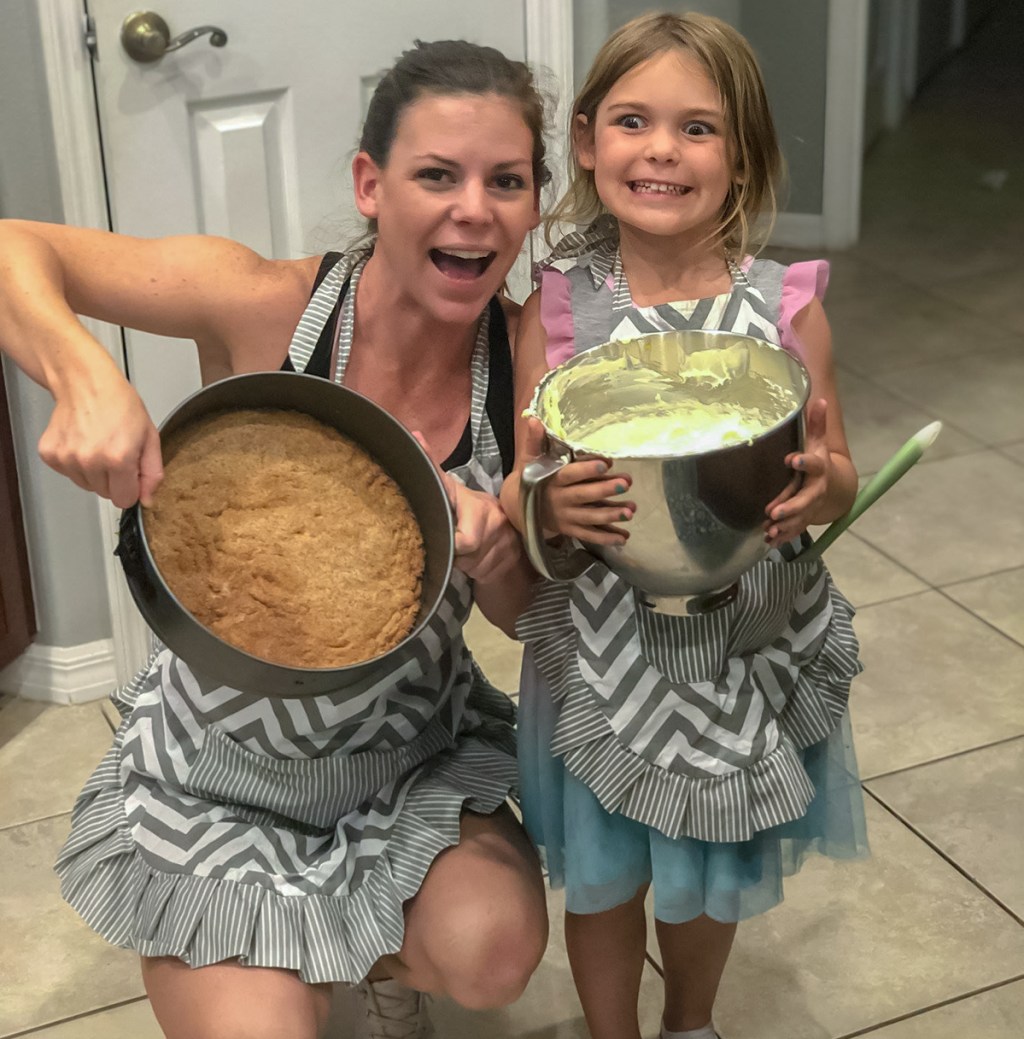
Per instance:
x=62, y=521
x=791, y=41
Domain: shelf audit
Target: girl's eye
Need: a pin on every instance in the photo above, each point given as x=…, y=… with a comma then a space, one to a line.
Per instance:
x=436, y=174
x=631, y=122
x=510, y=182
x=698, y=129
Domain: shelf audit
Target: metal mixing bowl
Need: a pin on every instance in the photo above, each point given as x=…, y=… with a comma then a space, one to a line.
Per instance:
x=699, y=517
x=381, y=436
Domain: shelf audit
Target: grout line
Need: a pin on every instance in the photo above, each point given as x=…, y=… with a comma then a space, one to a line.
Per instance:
x=944, y=757
x=944, y=855
x=31, y=822
x=75, y=1017
x=984, y=620
x=935, y=1006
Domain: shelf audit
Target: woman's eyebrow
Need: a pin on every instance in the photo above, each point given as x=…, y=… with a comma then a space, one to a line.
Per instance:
x=441, y=160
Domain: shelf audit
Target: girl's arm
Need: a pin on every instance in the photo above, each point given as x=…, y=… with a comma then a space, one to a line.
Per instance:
x=575, y=504
x=829, y=477
x=235, y=305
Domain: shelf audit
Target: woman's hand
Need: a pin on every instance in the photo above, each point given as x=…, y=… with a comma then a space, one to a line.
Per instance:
x=794, y=510
x=487, y=546
x=101, y=437
x=574, y=502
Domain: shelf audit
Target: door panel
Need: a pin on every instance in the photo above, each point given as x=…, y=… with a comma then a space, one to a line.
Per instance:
x=254, y=140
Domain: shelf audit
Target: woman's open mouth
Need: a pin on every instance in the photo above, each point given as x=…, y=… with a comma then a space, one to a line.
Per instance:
x=461, y=264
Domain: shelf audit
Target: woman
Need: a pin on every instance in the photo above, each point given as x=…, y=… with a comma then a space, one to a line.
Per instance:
x=420, y=879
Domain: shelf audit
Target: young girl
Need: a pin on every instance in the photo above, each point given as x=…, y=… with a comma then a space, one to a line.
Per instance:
x=735, y=759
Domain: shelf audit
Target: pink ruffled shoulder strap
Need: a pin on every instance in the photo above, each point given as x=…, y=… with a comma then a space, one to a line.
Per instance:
x=556, y=315
x=801, y=283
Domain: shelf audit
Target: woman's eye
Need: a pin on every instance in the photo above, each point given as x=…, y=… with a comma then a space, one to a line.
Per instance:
x=632, y=122
x=510, y=182
x=435, y=173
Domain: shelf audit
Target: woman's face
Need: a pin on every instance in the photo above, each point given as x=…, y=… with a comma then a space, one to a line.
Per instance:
x=454, y=202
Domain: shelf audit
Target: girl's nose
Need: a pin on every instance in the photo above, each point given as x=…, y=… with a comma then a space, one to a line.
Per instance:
x=662, y=146
x=472, y=204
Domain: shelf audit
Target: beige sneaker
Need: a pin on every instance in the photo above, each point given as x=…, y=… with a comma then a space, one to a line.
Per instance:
x=395, y=1011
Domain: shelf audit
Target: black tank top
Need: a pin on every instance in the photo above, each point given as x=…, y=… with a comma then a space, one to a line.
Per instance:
x=500, y=394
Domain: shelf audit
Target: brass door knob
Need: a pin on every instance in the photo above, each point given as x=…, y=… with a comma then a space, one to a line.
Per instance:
x=146, y=37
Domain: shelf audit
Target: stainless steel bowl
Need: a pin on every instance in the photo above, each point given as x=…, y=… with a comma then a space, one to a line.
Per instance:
x=380, y=435
x=699, y=517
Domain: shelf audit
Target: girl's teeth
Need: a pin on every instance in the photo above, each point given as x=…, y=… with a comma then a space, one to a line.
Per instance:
x=664, y=189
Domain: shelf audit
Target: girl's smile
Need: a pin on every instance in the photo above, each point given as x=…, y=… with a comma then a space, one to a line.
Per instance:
x=659, y=149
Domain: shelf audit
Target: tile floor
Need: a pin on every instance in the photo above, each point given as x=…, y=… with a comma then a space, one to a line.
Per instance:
x=925, y=940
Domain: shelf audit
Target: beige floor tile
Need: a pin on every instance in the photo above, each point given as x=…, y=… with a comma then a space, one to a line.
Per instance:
x=999, y=599
x=996, y=301
x=936, y=681
x=859, y=943
x=980, y=393
x=864, y=575
x=549, y=1009
x=52, y=965
x=952, y=519
x=133, y=1021
x=497, y=654
x=1014, y=451
x=971, y=807
x=46, y=755
x=904, y=328
x=995, y=1014
x=878, y=423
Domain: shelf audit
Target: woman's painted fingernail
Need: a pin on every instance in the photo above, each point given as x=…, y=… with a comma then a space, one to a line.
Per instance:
x=620, y=488
x=779, y=514
x=625, y=517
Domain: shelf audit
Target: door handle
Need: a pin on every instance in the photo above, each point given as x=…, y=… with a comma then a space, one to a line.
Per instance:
x=146, y=37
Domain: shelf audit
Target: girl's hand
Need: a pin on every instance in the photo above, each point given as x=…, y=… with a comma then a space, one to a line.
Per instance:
x=101, y=437
x=574, y=502
x=791, y=513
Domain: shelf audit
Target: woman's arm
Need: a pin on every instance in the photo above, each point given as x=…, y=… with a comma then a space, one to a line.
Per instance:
x=829, y=477
x=235, y=305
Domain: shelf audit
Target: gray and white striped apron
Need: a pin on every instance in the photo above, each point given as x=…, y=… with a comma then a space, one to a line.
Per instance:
x=289, y=832
x=690, y=725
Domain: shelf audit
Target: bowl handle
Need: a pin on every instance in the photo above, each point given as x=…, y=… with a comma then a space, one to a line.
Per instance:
x=554, y=564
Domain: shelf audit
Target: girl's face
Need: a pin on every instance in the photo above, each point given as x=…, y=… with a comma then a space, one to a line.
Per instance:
x=454, y=202
x=659, y=148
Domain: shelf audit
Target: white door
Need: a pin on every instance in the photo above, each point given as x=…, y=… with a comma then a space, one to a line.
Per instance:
x=253, y=140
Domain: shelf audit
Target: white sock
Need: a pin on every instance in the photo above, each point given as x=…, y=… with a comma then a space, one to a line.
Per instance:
x=707, y=1032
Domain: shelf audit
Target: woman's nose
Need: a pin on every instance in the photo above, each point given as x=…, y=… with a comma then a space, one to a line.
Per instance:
x=472, y=204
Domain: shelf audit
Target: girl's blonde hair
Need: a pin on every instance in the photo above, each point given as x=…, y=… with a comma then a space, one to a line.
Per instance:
x=732, y=66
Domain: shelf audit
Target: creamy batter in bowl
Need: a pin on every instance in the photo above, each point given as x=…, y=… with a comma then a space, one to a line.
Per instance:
x=702, y=421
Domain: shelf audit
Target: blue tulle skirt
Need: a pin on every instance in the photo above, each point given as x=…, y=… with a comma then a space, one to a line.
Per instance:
x=602, y=857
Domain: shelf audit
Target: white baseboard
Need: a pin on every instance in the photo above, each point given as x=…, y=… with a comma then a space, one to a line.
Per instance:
x=62, y=674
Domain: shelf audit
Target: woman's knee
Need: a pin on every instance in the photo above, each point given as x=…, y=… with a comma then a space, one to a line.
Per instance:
x=490, y=949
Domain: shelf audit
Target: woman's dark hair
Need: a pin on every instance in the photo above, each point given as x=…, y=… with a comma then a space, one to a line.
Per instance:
x=445, y=68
